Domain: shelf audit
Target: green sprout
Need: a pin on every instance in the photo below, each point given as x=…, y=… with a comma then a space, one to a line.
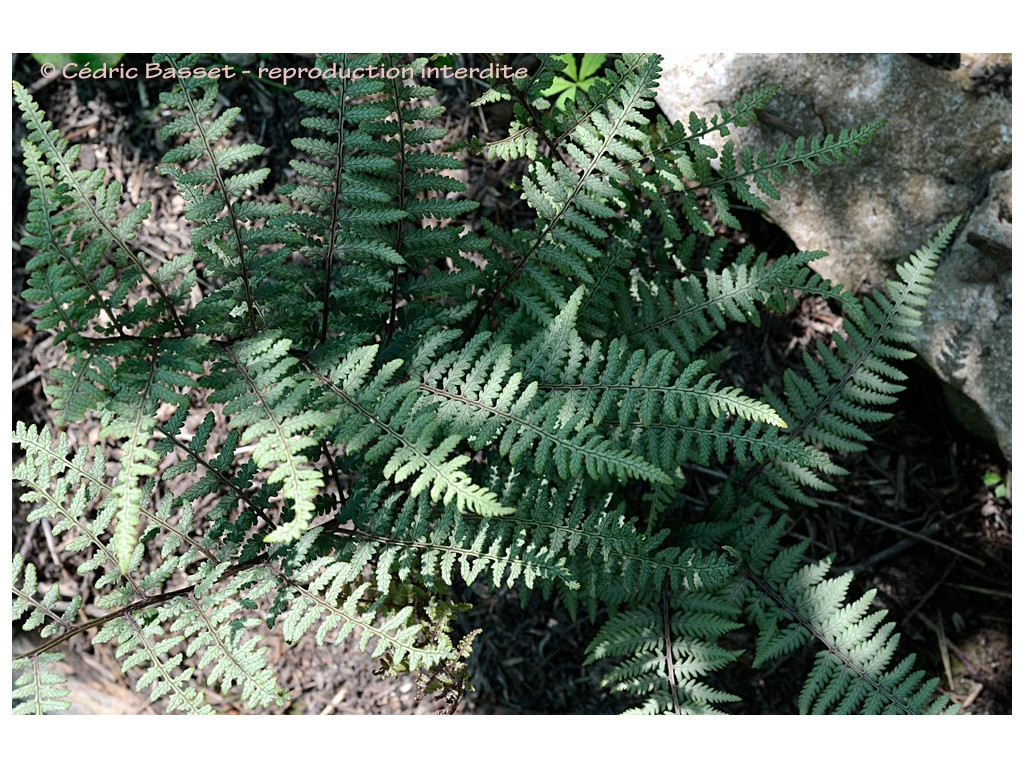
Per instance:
x=995, y=481
x=574, y=78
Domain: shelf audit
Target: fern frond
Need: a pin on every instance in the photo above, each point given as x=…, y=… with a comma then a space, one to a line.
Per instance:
x=688, y=166
x=129, y=419
x=38, y=688
x=479, y=397
x=228, y=234
x=221, y=641
x=65, y=280
x=662, y=658
x=89, y=207
x=405, y=535
x=693, y=310
x=145, y=643
x=344, y=192
x=386, y=420
x=42, y=611
x=65, y=491
x=854, y=672
x=767, y=171
x=575, y=204
x=848, y=387
x=266, y=396
x=323, y=592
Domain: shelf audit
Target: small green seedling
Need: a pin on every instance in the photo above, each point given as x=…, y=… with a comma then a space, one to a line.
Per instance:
x=995, y=481
x=574, y=78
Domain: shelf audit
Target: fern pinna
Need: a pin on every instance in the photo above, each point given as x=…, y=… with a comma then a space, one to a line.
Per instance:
x=342, y=407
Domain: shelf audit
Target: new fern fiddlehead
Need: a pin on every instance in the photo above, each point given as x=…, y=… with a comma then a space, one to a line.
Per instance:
x=374, y=397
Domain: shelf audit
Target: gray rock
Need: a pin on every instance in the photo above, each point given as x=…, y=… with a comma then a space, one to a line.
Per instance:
x=965, y=336
x=935, y=159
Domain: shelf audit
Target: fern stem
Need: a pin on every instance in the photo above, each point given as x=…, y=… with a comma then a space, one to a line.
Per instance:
x=121, y=337
x=399, y=239
x=337, y=202
x=326, y=451
x=138, y=605
x=670, y=668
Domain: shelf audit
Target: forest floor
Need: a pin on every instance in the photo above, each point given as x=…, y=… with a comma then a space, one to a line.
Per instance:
x=913, y=517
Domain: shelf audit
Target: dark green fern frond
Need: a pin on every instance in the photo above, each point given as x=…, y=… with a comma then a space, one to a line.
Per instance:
x=76, y=268
x=610, y=561
x=678, y=158
x=483, y=392
x=422, y=186
x=691, y=310
x=344, y=188
x=64, y=279
x=766, y=172
x=222, y=479
x=575, y=204
x=228, y=236
x=551, y=543
x=404, y=536
x=670, y=137
x=673, y=414
x=687, y=163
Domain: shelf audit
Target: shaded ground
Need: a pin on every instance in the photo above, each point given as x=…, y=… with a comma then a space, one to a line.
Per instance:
x=913, y=517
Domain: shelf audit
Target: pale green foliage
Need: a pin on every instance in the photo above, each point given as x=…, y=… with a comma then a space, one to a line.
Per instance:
x=375, y=398
x=39, y=688
x=668, y=647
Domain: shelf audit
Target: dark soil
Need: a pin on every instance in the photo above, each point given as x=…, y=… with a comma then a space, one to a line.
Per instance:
x=913, y=517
